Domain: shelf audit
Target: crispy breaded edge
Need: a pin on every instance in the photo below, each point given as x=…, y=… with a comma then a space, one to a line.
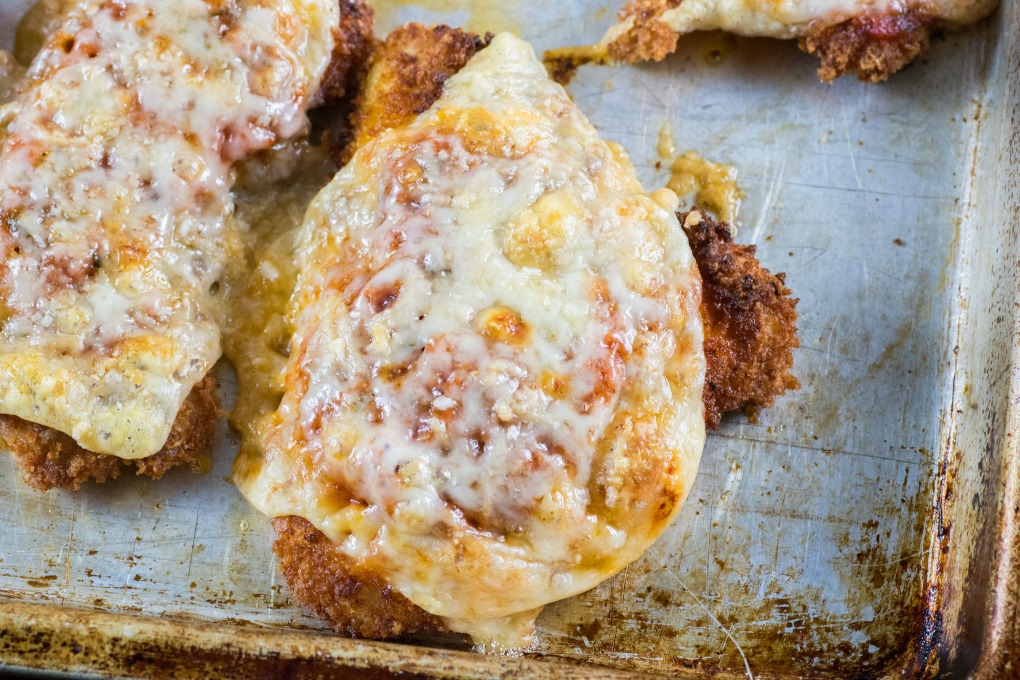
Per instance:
x=870, y=46
x=397, y=88
x=750, y=322
x=649, y=38
x=52, y=459
x=405, y=77
x=352, y=47
x=353, y=600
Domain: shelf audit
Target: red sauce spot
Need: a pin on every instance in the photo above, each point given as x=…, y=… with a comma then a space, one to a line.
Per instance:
x=116, y=8
x=383, y=297
x=889, y=26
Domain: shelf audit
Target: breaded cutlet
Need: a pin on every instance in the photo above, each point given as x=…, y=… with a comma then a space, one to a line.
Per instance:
x=52, y=459
x=750, y=331
x=871, y=46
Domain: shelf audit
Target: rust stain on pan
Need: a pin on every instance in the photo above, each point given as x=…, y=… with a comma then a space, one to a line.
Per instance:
x=113, y=645
x=929, y=652
x=627, y=622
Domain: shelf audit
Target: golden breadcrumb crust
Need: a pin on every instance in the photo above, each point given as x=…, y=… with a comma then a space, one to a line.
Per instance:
x=750, y=322
x=51, y=459
x=353, y=600
x=405, y=76
x=750, y=330
x=649, y=39
x=353, y=45
x=870, y=47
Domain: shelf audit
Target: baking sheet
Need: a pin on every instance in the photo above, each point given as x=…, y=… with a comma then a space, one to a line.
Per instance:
x=836, y=536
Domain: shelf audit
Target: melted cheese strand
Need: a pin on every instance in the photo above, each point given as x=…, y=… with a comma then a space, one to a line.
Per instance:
x=115, y=205
x=493, y=396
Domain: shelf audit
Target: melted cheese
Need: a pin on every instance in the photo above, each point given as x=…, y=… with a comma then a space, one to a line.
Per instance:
x=273, y=192
x=493, y=391
x=713, y=186
x=794, y=18
x=117, y=216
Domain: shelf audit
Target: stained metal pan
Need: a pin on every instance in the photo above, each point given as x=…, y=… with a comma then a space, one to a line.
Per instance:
x=865, y=527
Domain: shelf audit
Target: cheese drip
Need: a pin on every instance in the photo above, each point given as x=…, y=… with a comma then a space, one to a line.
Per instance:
x=116, y=217
x=493, y=391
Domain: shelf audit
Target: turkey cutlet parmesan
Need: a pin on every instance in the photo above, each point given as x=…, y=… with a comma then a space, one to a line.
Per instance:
x=870, y=39
x=116, y=168
x=493, y=395
x=749, y=317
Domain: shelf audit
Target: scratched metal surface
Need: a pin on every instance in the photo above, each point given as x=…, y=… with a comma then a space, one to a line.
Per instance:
x=813, y=539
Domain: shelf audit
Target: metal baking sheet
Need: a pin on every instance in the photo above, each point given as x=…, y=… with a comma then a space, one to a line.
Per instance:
x=865, y=526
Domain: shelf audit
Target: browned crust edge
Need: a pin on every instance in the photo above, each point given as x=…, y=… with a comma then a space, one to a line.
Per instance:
x=354, y=601
x=649, y=39
x=53, y=460
x=872, y=47
x=750, y=322
x=353, y=45
x=406, y=74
